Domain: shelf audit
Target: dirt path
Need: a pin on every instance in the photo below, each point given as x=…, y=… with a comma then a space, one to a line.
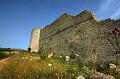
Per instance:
x=3, y=62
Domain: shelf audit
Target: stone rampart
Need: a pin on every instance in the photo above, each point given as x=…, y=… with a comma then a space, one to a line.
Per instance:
x=82, y=34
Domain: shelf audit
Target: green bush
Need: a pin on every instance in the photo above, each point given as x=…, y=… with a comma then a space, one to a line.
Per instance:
x=4, y=55
x=43, y=56
x=117, y=76
x=86, y=71
x=73, y=70
x=61, y=60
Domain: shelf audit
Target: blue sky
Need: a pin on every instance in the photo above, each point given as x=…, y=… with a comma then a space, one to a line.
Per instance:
x=18, y=17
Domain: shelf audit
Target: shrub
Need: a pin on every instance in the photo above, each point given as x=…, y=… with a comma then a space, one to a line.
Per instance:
x=4, y=55
x=29, y=49
x=43, y=56
x=86, y=71
x=73, y=68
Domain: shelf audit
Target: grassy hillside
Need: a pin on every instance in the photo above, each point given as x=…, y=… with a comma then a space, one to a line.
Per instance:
x=26, y=65
x=35, y=66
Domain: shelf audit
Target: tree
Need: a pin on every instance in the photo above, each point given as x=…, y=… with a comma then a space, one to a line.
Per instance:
x=29, y=49
x=114, y=39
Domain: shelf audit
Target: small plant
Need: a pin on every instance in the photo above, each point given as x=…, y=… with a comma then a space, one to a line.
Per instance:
x=86, y=71
x=117, y=76
x=43, y=56
x=73, y=70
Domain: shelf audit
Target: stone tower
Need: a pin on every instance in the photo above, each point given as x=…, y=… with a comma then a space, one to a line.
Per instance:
x=34, y=41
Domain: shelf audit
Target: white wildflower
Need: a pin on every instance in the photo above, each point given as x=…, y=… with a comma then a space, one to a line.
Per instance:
x=61, y=57
x=76, y=54
x=67, y=57
x=49, y=64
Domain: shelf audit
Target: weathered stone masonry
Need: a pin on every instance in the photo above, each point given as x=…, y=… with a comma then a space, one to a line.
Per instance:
x=82, y=34
x=34, y=41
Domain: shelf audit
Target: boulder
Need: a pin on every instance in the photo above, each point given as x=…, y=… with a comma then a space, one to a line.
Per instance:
x=112, y=66
x=51, y=55
x=80, y=77
x=99, y=75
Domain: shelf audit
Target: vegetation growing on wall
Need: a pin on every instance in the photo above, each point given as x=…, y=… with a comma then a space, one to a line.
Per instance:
x=114, y=38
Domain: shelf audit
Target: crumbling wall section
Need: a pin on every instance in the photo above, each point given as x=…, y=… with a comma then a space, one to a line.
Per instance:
x=106, y=47
x=64, y=38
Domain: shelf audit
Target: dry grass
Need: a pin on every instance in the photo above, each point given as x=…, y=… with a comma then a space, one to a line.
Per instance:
x=28, y=68
x=3, y=62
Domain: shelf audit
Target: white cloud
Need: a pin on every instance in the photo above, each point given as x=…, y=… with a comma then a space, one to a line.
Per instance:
x=106, y=4
x=109, y=8
x=116, y=14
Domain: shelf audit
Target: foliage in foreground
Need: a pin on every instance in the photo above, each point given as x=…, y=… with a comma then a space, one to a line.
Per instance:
x=29, y=66
x=25, y=68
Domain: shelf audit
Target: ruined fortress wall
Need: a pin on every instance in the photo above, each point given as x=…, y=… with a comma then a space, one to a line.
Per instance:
x=61, y=23
x=106, y=48
x=35, y=39
x=68, y=39
x=81, y=34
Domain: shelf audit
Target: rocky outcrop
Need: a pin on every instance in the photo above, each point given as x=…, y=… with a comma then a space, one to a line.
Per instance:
x=99, y=75
x=80, y=77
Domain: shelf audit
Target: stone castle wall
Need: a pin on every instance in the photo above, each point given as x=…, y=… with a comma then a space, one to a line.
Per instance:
x=81, y=34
